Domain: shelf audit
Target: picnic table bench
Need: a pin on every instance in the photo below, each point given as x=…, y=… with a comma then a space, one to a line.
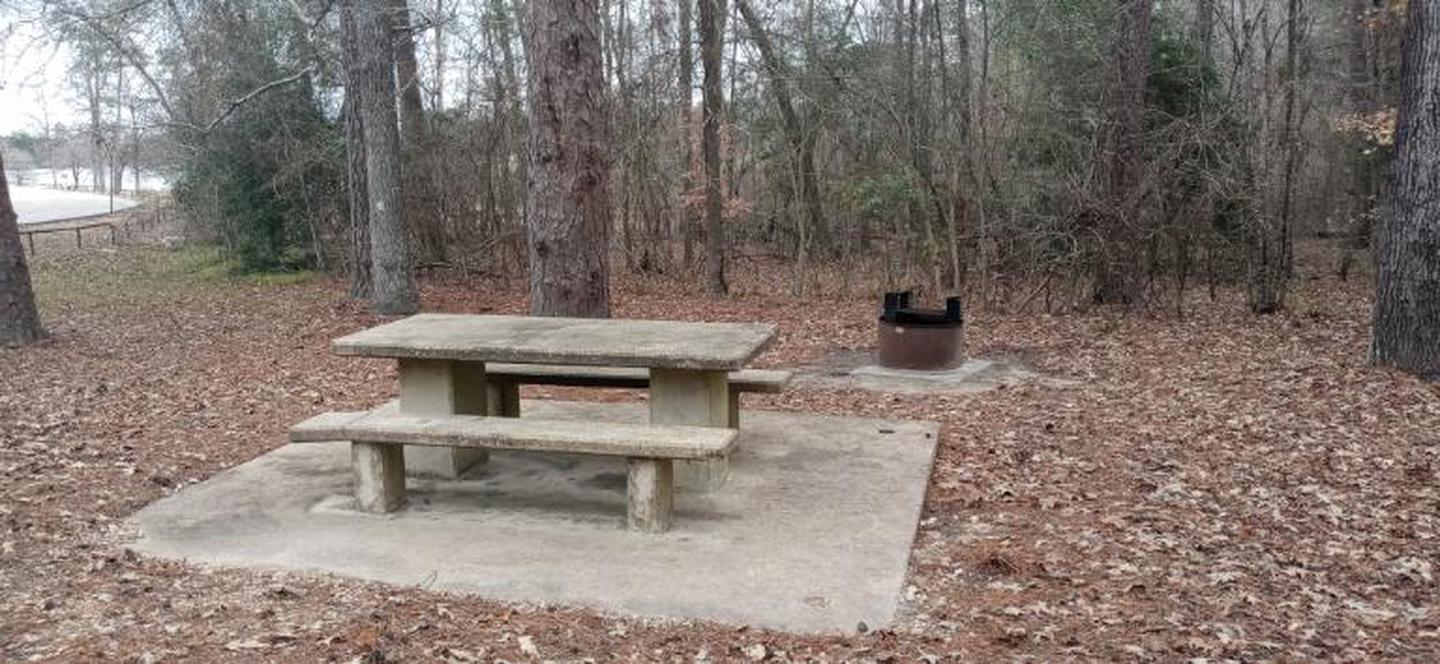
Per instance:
x=506, y=380
x=459, y=378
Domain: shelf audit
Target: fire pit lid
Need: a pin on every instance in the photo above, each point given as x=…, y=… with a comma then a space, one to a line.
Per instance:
x=899, y=310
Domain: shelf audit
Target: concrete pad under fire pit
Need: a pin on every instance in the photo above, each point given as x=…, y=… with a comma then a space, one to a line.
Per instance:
x=858, y=370
x=811, y=534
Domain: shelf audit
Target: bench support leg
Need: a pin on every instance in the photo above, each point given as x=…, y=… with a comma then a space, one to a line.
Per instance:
x=379, y=476
x=440, y=387
x=734, y=405
x=504, y=396
x=651, y=494
x=696, y=398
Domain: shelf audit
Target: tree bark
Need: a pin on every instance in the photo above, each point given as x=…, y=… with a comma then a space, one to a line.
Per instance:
x=419, y=195
x=1121, y=156
x=355, y=173
x=19, y=320
x=568, y=216
x=1407, y=303
x=394, y=281
x=686, y=225
x=712, y=50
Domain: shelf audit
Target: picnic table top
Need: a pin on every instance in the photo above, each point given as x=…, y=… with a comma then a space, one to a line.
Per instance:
x=587, y=341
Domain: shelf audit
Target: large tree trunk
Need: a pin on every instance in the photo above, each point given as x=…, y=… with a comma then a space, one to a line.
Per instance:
x=419, y=195
x=358, y=200
x=394, y=281
x=568, y=217
x=1121, y=158
x=803, y=146
x=712, y=49
x=19, y=321
x=1407, y=304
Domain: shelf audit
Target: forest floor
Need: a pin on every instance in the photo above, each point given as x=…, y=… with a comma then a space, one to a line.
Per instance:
x=1217, y=486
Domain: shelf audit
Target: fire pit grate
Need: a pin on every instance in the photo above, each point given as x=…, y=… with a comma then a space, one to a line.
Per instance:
x=921, y=339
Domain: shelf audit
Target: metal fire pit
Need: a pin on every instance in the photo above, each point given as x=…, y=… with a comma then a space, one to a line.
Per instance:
x=921, y=339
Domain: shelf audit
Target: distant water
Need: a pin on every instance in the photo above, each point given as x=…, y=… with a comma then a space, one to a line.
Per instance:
x=64, y=178
x=34, y=205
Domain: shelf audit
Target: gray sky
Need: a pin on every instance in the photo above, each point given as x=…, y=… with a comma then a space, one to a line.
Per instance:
x=32, y=80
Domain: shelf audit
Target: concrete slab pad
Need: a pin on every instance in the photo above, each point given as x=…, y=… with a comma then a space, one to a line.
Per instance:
x=812, y=533
x=859, y=370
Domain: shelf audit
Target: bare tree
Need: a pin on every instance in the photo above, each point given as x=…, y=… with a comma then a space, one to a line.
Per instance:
x=1121, y=156
x=394, y=282
x=19, y=321
x=712, y=50
x=802, y=142
x=686, y=225
x=419, y=195
x=568, y=215
x=1407, y=306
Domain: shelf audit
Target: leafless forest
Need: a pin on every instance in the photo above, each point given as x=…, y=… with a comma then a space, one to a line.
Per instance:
x=1022, y=151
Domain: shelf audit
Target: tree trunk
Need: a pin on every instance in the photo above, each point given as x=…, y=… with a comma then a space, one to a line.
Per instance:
x=19, y=321
x=803, y=147
x=1407, y=303
x=502, y=20
x=391, y=274
x=1273, y=251
x=358, y=201
x=686, y=225
x=1205, y=27
x=568, y=217
x=419, y=195
x=1364, y=177
x=712, y=50
x=97, y=138
x=1121, y=158
x=963, y=165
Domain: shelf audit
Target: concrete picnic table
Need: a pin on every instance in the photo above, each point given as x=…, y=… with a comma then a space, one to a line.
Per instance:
x=442, y=369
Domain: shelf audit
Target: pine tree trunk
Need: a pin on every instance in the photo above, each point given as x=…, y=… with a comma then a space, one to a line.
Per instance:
x=1407, y=304
x=358, y=201
x=568, y=216
x=391, y=274
x=712, y=50
x=19, y=321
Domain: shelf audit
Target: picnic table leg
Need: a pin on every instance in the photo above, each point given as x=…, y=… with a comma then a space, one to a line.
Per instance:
x=697, y=398
x=651, y=494
x=379, y=476
x=442, y=387
x=504, y=396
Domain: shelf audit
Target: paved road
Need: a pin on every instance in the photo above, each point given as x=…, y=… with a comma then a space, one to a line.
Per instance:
x=35, y=205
